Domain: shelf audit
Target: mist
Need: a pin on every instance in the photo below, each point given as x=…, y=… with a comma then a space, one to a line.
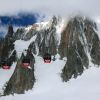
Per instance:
x=65, y=8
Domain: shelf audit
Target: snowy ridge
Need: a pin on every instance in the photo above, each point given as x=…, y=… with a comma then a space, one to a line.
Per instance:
x=43, y=25
x=27, y=29
x=21, y=45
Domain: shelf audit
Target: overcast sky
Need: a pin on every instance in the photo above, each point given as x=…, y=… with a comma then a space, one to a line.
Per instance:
x=62, y=7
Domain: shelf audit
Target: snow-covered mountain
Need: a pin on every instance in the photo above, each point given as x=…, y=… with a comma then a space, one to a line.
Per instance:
x=73, y=45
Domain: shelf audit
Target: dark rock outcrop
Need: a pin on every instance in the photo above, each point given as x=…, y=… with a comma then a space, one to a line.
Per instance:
x=93, y=41
x=77, y=41
x=23, y=78
x=7, y=51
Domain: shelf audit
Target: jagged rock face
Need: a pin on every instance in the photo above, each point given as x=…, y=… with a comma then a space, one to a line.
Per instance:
x=92, y=41
x=23, y=34
x=48, y=43
x=19, y=34
x=7, y=51
x=23, y=78
x=77, y=41
x=8, y=43
x=46, y=38
x=1, y=46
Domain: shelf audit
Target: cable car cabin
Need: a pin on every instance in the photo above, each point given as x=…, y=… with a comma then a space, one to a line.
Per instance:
x=26, y=63
x=47, y=58
x=5, y=65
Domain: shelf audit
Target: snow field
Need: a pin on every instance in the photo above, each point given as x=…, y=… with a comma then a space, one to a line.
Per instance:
x=49, y=85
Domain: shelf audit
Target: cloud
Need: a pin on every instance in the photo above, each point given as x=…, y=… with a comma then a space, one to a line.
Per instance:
x=51, y=7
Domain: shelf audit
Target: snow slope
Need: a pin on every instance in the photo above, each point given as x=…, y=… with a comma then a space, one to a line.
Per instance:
x=21, y=45
x=49, y=85
x=5, y=76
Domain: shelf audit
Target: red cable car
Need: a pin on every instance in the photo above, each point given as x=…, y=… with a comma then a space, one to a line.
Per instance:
x=26, y=63
x=5, y=65
x=47, y=58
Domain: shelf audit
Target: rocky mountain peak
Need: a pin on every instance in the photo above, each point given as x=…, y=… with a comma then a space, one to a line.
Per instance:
x=76, y=39
x=79, y=43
